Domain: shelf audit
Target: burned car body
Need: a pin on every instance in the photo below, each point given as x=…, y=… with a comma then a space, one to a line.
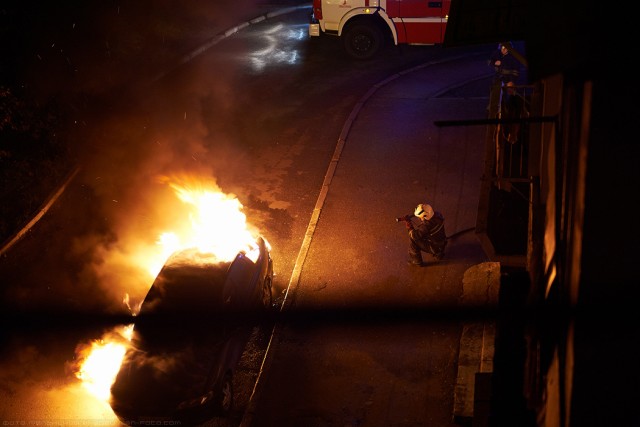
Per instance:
x=192, y=329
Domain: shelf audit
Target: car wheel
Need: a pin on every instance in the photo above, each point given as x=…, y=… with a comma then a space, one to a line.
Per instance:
x=267, y=293
x=362, y=40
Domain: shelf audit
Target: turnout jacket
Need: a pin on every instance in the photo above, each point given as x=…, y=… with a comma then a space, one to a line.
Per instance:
x=430, y=232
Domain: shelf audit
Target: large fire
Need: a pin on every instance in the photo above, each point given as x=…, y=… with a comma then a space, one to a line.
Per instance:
x=215, y=225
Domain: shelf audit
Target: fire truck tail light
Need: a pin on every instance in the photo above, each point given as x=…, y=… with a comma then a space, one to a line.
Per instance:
x=317, y=9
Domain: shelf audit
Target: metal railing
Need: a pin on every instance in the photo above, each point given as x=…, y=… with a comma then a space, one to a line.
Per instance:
x=511, y=135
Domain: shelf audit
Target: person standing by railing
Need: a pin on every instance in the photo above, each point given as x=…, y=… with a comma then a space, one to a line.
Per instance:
x=507, y=69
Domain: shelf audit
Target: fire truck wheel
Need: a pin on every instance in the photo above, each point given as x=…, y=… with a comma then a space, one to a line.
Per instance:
x=362, y=40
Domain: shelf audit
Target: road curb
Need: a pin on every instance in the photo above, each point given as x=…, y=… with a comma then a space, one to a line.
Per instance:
x=43, y=210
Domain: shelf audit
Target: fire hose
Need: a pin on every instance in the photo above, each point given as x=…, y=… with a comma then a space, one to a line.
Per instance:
x=407, y=220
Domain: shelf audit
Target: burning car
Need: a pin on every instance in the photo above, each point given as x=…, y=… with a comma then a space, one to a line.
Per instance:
x=189, y=335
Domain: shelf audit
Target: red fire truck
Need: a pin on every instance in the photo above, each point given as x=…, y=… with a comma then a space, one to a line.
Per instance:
x=365, y=25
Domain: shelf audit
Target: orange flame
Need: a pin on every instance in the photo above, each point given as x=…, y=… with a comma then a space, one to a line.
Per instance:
x=215, y=224
x=100, y=361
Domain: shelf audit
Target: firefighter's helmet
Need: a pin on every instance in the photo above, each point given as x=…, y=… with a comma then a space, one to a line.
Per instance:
x=424, y=211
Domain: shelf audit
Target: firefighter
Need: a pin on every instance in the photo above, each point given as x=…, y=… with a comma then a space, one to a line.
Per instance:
x=428, y=236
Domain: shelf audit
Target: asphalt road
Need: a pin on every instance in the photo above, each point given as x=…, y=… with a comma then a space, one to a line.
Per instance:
x=367, y=339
